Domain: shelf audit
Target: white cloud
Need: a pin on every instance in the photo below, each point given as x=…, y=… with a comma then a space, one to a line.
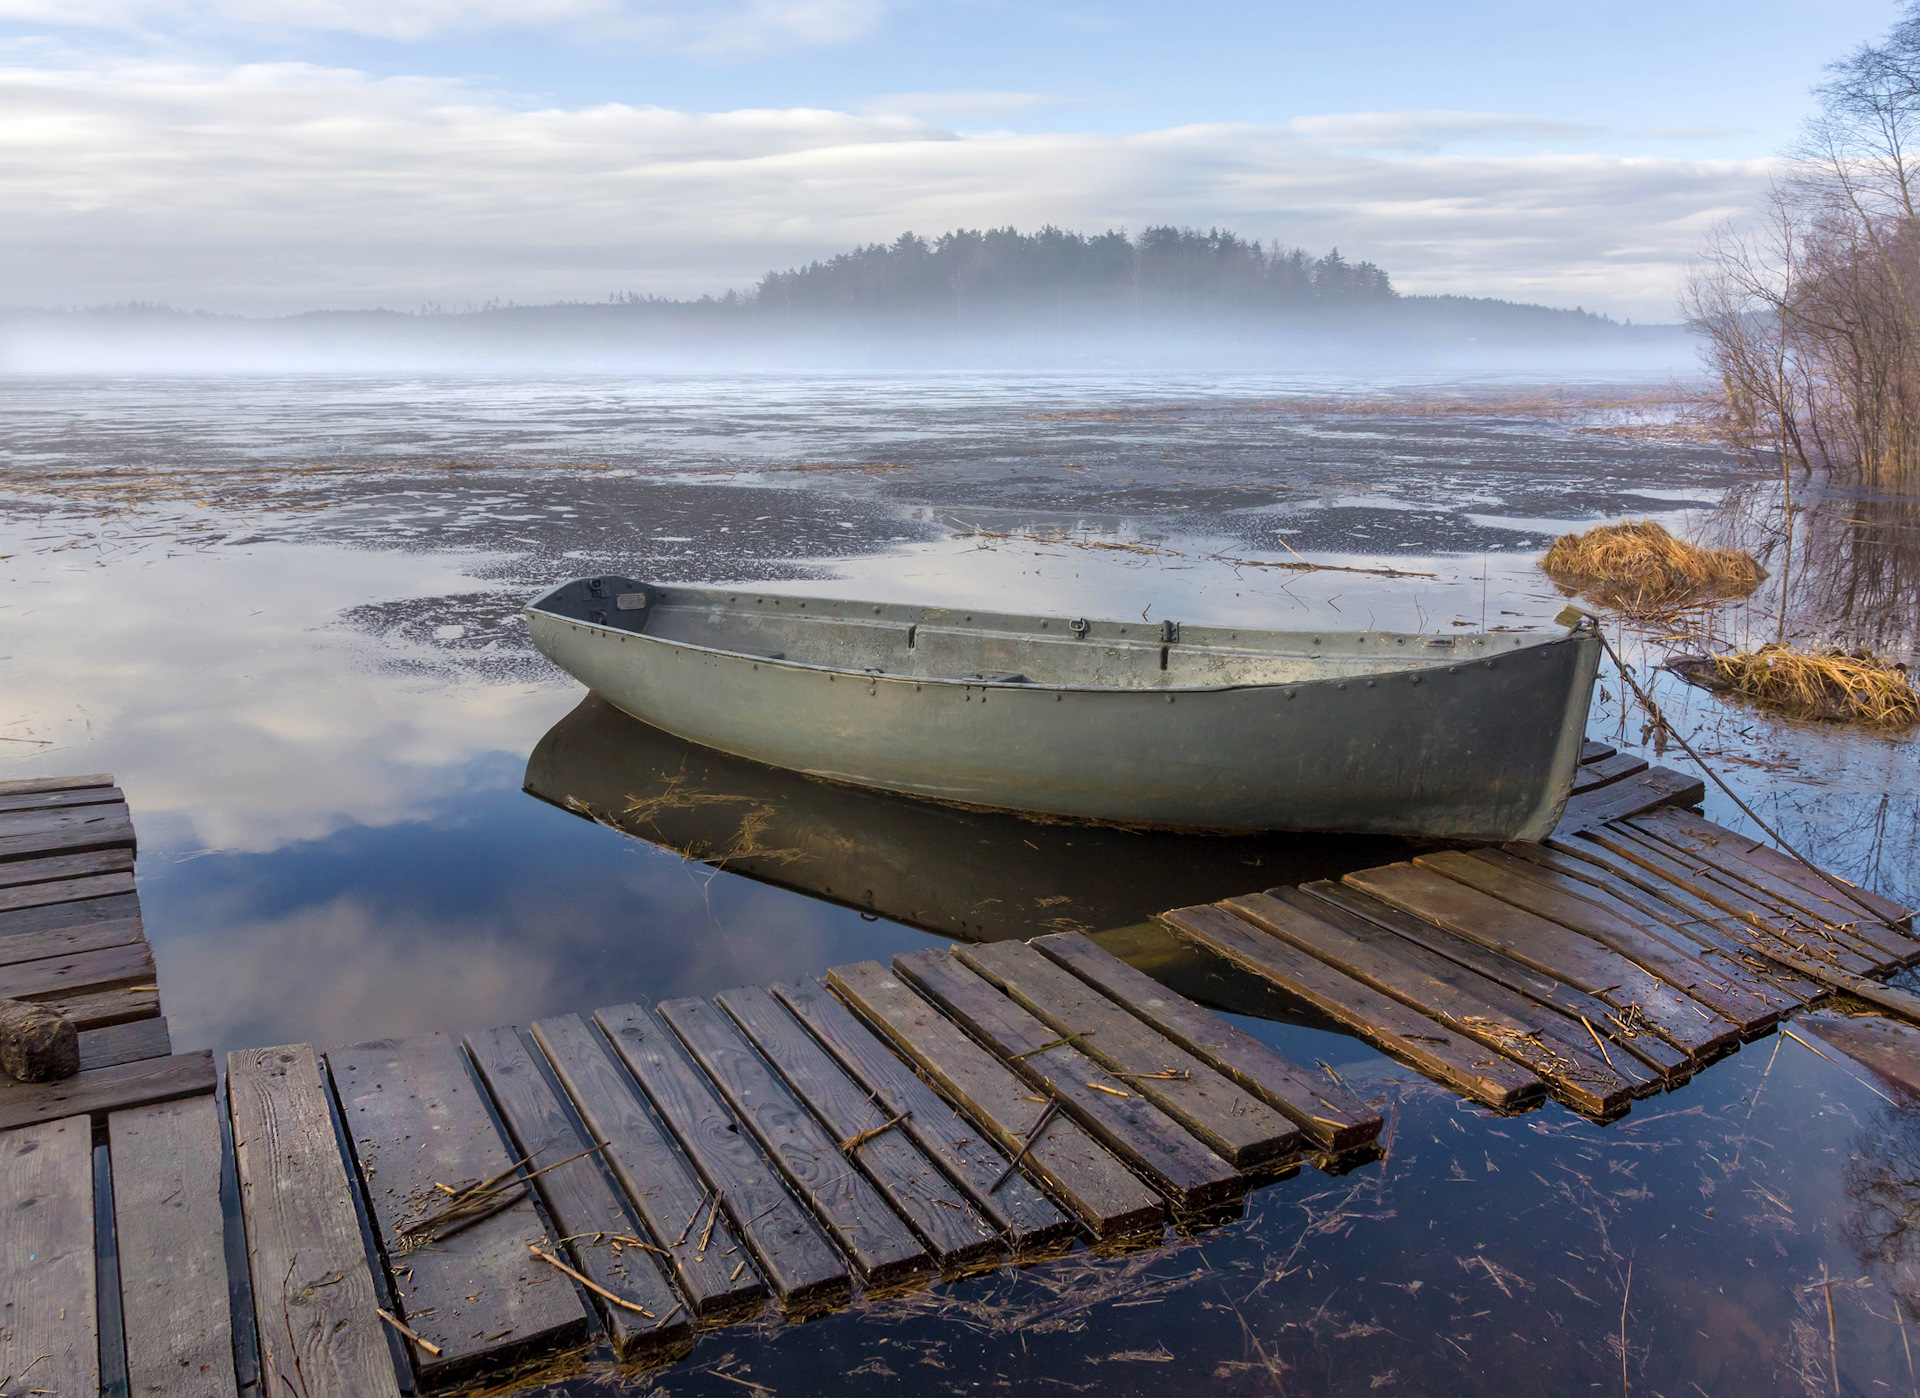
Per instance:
x=733, y=26
x=282, y=187
x=961, y=104
x=1431, y=131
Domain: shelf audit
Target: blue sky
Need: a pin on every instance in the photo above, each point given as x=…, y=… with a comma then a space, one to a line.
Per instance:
x=270, y=155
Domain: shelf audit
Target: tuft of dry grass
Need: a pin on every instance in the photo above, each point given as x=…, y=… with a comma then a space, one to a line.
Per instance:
x=1833, y=685
x=1638, y=568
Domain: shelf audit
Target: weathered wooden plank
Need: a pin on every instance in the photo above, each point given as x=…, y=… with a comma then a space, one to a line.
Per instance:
x=658, y=1179
x=1463, y=1065
x=1107, y=1196
x=38, y=895
x=66, y=866
x=1590, y=751
x=957, y=1236
x=1026, y=1217
x=98, y=1091
x=1605, y=771
x=1759, y=929
x=1176, y=1164
x=124, y=1043
x=62, y=800
x=1780, y=864
x=1657, y=786
x=1240, y=1127
x=131, y=963
x=416, y=1122
x=49, y=1338
x=1827, y=906
x=1891, y=1049
x=1749, y=908
x=1333, y=1119
x=1464, y=1001
x=26, y=834
x=173, y=1261
x=793, y=1253
x=1758, y=977
x=1679, y=969
x=582, y=1202
x=116, y=908
x=873, y=1237
x=25, y=786
x=100, y=1008
x=1553, y=950
x=313, y=1295
x=1598, y=1018
x=69, y=941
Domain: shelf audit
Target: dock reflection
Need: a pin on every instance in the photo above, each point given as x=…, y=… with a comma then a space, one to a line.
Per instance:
x=964, y=874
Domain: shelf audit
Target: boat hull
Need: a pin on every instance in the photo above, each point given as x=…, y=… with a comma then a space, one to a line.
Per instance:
x=1479, y=750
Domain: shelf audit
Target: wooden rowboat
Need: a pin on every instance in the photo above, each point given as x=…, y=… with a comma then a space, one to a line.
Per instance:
x=1159, y=725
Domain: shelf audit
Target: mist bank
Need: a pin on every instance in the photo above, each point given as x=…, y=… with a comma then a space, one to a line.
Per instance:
x=1403, y=334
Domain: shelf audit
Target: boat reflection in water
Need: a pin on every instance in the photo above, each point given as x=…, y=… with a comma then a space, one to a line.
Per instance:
x=959, y=873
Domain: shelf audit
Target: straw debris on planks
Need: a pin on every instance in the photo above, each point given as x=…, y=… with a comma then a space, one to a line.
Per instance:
x=1638, y=568
x=1833, y=685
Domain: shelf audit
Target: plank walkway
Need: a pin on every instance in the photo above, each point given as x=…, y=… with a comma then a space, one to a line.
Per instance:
x=115, y=1270
x=419, y=1213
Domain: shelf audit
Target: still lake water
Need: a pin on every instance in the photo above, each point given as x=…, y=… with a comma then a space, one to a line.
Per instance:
x=284, y=612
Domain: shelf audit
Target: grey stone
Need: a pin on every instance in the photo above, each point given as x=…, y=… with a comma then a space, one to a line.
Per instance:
x=37, y=1042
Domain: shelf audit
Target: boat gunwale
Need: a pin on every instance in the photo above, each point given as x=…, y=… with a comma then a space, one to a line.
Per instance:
x=1035, y=686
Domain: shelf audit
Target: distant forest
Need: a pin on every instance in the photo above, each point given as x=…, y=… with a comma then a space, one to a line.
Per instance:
x=1055, y=271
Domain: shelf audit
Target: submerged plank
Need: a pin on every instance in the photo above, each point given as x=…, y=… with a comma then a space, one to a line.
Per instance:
x=1025, y=1216
x=1677, y=968
x=1551, y=949
x=1891, y=1049
x=879, y=1244
x=66, y=866
x=581, y=1201
x=313, y=1294
x=172, y=1246
x=793, y=1253
x=1240, y=1127
x=1595, y=1016
x=98, y=1091
x=48, y=1334
x=1332, y=1118
x=1436, y=1051
x=1463, y=1000
x=1657, y=786
x=1183, y=1169
x=1107, y=1196
x=417, y=1123
x=23, y=786
x=658, y=1179
x=956, y=1235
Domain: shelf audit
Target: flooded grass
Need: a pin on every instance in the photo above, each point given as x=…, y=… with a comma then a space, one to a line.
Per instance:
x=1640, y=570
x=1830, y=686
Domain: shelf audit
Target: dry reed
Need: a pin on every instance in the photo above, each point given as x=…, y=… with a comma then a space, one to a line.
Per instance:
x=1834, y=686
x=1638, y=568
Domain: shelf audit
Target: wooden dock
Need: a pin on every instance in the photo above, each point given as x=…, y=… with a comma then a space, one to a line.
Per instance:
x=411, y=1213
